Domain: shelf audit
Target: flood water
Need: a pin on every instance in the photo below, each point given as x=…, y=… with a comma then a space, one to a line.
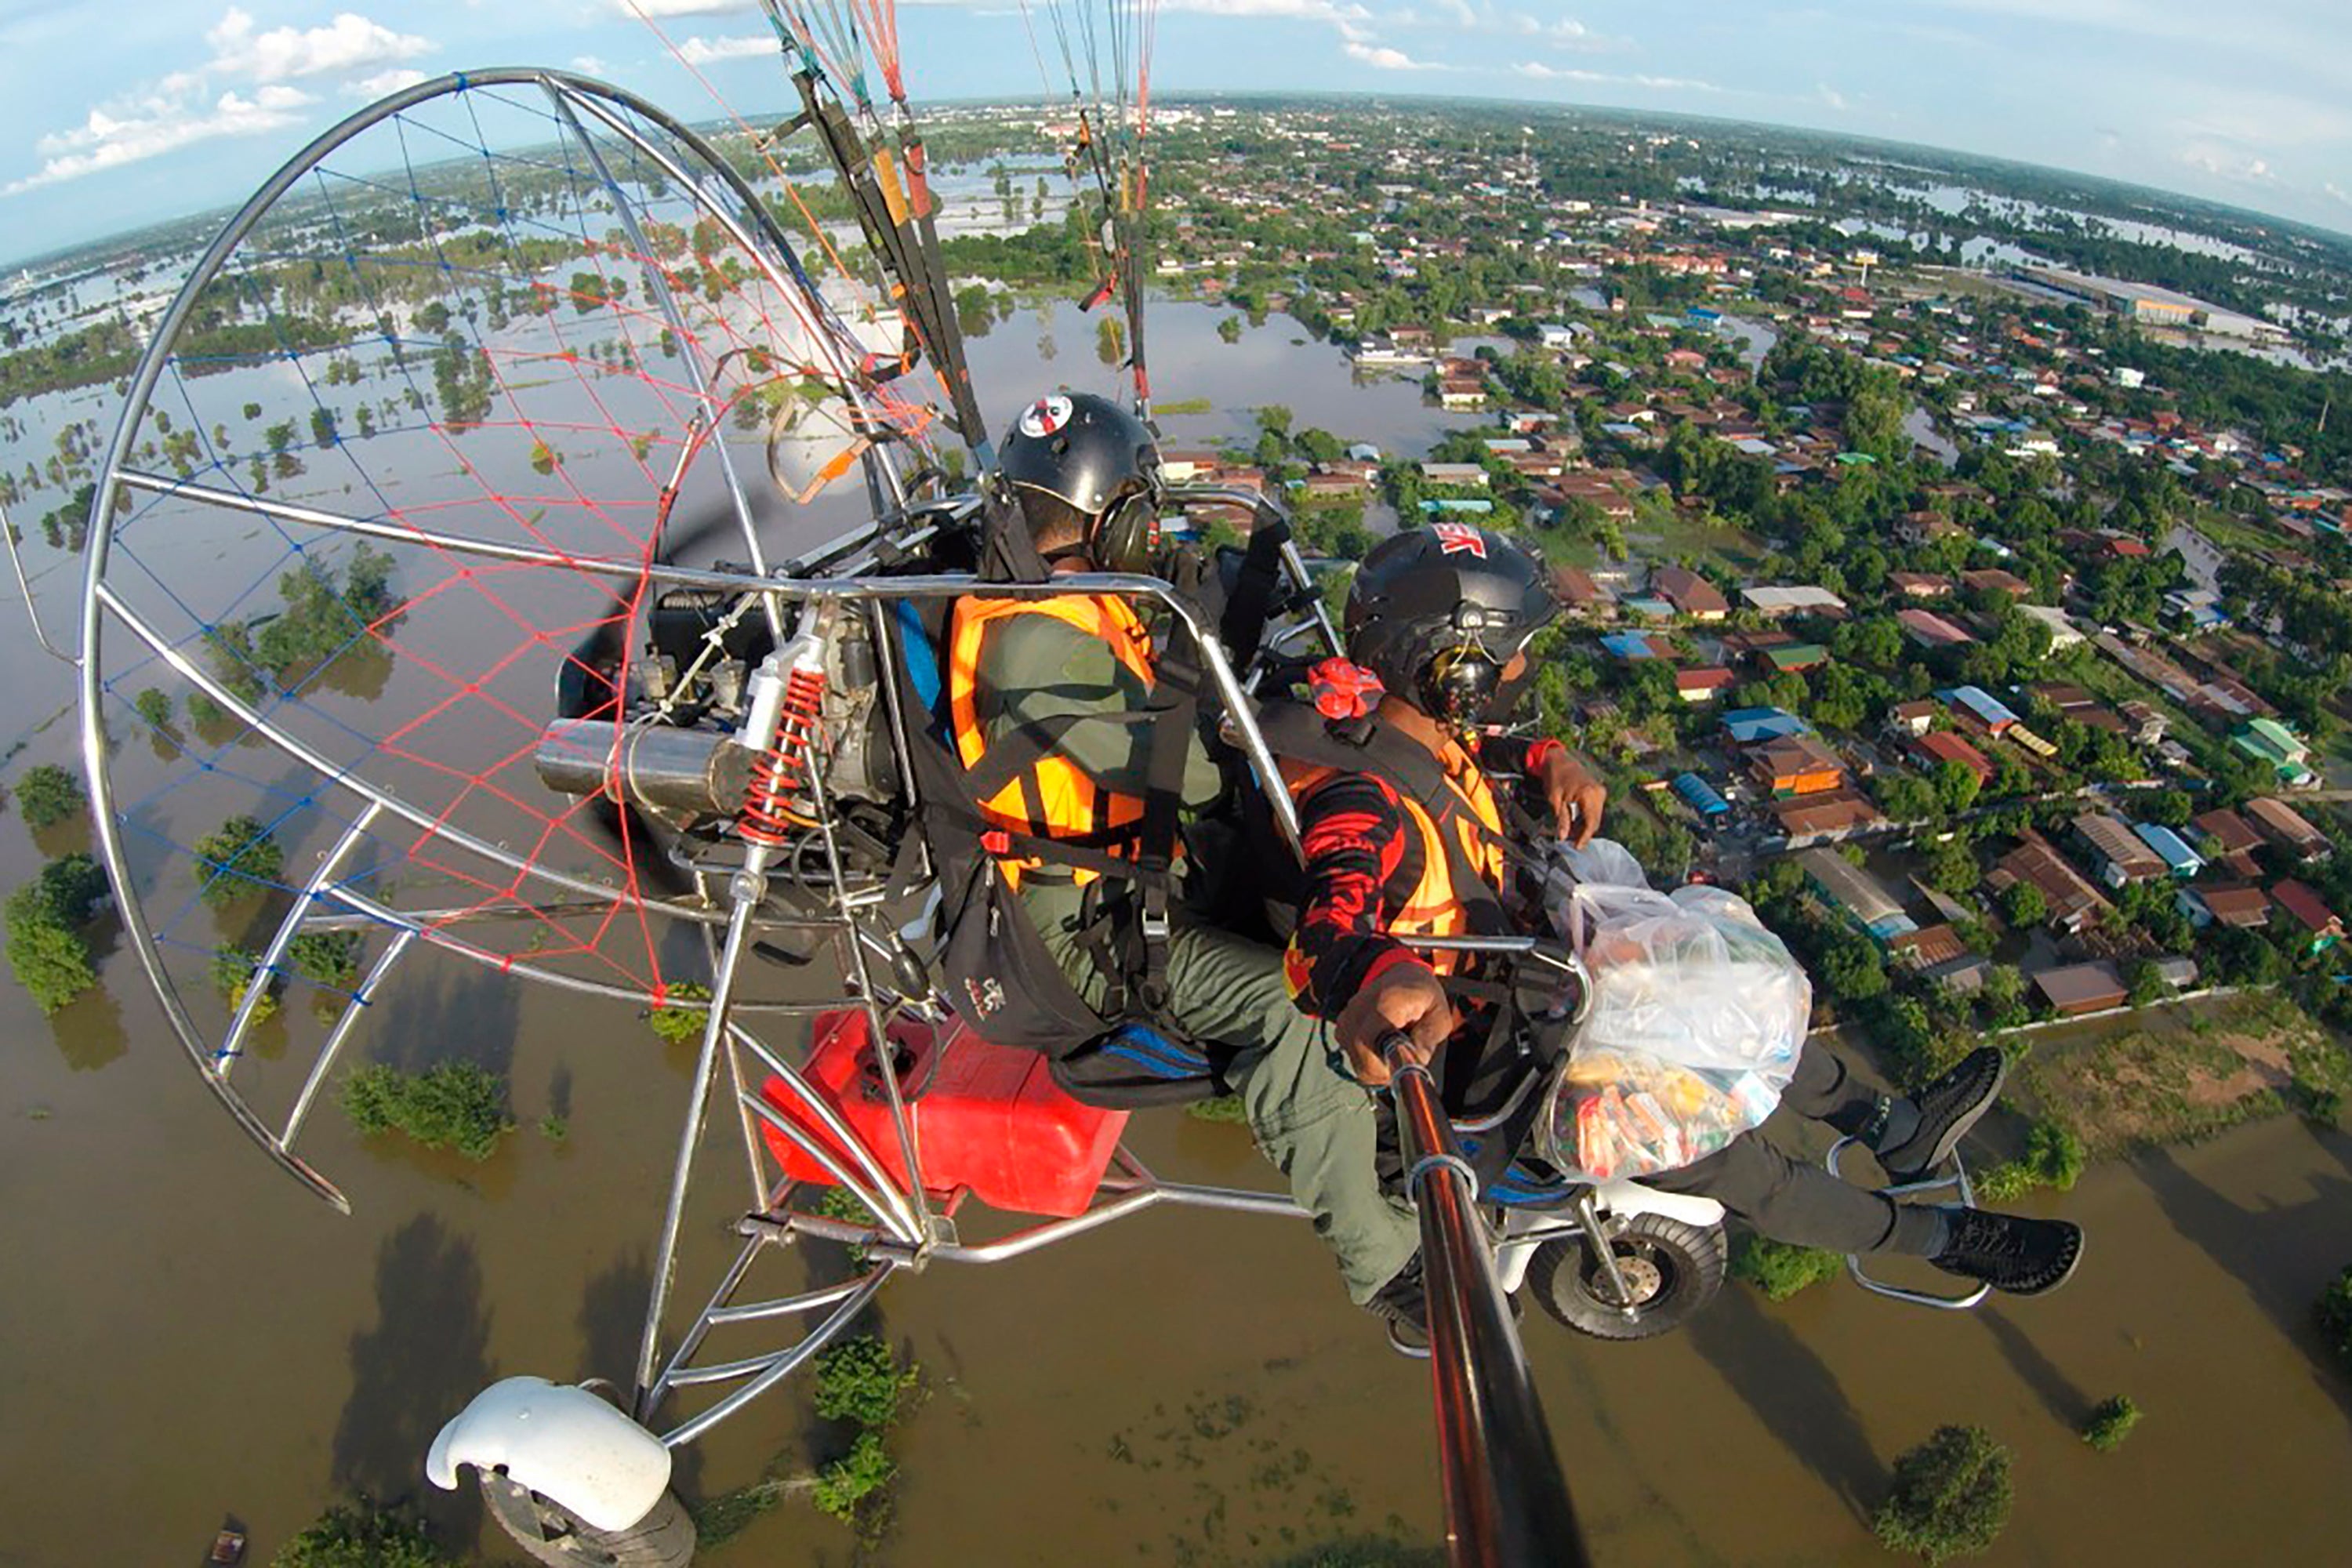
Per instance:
x=187, y=1329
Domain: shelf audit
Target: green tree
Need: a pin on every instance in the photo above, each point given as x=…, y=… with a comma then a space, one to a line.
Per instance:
x=1952, y=1496
x=452, y=1105
x=2110, y=1422
x=1956, y=785
x=231, y=862
x=49, y=957
x=2022, y=905
x=1952, y=866
x=843, y=1487
x=48, y=795
x=860, y=1380
x=154, y=705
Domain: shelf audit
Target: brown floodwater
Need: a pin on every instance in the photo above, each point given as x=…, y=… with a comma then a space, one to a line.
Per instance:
x=189, y=1337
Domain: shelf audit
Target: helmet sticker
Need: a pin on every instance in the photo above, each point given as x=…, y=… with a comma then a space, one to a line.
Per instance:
x=1045, y=416
x=1454, y=538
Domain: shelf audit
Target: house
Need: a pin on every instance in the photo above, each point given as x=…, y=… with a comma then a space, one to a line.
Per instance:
x=1932, y=950
x=2268, y=740
x=2225, y=903
x=2324, y=927
x=2079, y=706
x=1912, y=718
x=2074, y=989
x=1939, y=746
x=1793, y=601
x=1630, y=646
x=1747, y=726
x=2062, y=634
x=1704, y=684
x=1460, y=393
x=1795, y=764
x=1188, y=465
x=2145, y=722
x=1919, y=585
x=1583, y=598
x=1929, y=629
x=1793, y=658
x=1596, y=489
x=1690, y=594
x=1824, y=818
x=1700, y=797
x=1918, y=529
x=2288, y=829
x=1471, y=474
x=2071, y=900
x=1994, y=580
x=2228, y=838
x=1856, y=894
x=2177, y=857
x=1979, y=708
x=2117, y=855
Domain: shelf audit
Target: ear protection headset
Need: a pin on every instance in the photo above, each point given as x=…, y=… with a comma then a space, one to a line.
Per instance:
x=1461, y=682
x=1126, y=537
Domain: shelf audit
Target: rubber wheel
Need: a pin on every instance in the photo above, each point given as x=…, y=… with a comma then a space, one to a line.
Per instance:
x=547, y=1533
x=1673, y=1269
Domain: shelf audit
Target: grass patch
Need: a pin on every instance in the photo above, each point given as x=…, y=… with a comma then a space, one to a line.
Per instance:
x=676, y=1025
x=1780, y=1270
x=1224, y=1108
x=1185, y=406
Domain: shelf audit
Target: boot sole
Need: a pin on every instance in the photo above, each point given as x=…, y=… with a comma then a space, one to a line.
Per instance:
x=1950, y=1137
x=2065, y=1272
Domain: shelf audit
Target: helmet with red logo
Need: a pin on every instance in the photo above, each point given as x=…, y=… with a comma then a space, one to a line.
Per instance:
x=1439, y=612
x=1079, y=462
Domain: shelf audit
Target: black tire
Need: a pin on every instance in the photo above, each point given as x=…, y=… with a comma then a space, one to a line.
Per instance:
x=548, y=1534
x=1676, y=1269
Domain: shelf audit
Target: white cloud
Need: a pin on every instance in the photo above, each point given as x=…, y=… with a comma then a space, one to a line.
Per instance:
x=2338, y=191
x=701, y=51
x=1539, y=71
x=348, y=43
x=1830, y=96
x=656, y=9
x=156, y=126
x=2227, y=163
x=385, y=83
x=589, y=65
x=1380, y=56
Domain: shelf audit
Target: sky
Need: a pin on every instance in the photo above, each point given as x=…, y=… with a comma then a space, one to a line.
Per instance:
x=145, y=110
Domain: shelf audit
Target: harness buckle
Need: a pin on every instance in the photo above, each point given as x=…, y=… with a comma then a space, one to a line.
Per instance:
x=1154, y=924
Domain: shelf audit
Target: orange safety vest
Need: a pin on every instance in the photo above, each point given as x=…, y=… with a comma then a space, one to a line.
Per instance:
x=1461, y=848
x=1054, y=798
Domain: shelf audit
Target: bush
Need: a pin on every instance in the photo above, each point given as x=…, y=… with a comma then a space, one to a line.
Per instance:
x=676, y=1025
x=360, y=1537
x=1780, y=1270
x=48, y=794
x=1952, y=1496
x=154, y=706
x=858, y=1380
x=1222, y=1107
x=455, y=1105
x=843, y=1486
x=2335, y=1314
x=243, y=852
x=232, y=975
x=2054, y=1157
x=2110, y=1423
x=328, y=958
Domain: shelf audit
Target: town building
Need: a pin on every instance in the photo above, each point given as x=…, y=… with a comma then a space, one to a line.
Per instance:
x=1830, y=819
x=1931, y=630
x=1856, y=894
x=1793, y=601
x=2322, y=927
x=1939, y=746
x=2070, y=898
x=1690, y=594
x=2074, y=989
x=2118, y=854
x=1795, y=764
x=2232, y=904
x=2288, y=829
x=2180, y=859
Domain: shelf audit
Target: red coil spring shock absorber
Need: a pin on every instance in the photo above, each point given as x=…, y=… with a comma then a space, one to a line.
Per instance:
x=772, y=805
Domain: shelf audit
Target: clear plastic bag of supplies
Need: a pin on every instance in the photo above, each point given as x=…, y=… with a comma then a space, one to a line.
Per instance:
x=1692, y=1018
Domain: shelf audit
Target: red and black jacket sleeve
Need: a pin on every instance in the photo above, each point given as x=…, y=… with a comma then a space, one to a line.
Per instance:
x=1363, y=860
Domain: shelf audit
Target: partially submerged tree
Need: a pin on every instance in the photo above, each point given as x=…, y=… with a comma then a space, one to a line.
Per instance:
x=1952, y=1496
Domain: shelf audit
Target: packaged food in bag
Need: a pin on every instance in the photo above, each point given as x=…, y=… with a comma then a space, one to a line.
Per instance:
x=1693, y=1016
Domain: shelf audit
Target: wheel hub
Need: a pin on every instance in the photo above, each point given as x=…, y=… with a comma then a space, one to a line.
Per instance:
x=1642, y=1277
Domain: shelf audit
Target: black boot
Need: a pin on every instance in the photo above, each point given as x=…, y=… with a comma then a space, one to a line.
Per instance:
x=1945, y=1109
x=2013, y=1254
x=1403, y=1305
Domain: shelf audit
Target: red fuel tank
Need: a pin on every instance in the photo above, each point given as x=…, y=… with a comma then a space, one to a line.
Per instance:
x=988, y=1119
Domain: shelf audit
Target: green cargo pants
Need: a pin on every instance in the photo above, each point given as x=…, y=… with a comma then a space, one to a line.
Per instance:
x=1317, y=1126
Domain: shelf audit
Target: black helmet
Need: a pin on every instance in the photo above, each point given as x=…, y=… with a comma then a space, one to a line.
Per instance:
x=1075, y=459
x=1437, y=613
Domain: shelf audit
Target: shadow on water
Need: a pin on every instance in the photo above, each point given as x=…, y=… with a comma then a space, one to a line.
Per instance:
x=2066, y=1403
x=472, y=1015
x=612, y=1319
x=426, y=1356
x=2283, y=1255
x=1793, y=1392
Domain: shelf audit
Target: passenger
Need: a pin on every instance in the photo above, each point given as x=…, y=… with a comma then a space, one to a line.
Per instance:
x=1080, y=668
x=1409, y=843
